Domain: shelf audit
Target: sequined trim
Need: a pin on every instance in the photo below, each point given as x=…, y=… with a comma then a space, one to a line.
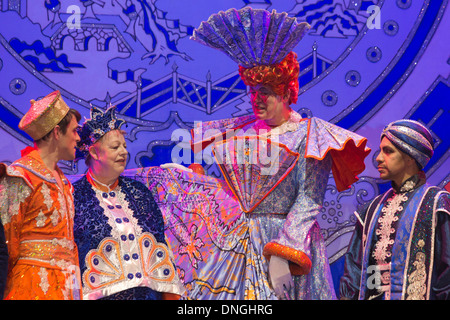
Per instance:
x=54, y=217
x=385, y=230
x=32, y=162
x=389, y=215
x=290, y=125
x=417, y=279
x=128, y=213
x=62, y=205
x=13, y=192
x=301, y=262
x=43, y=274
x=40, y=219
x=420, y=258
x=48, y=201
x=54, y=252
x=42, y=175
x=111, y=268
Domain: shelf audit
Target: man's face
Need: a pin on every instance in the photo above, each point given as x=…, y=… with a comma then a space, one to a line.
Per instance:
x=69, y=140
x=391, y=162
x=266, y=104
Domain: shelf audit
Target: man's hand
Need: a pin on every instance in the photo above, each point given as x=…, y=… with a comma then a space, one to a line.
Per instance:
x=281, y=277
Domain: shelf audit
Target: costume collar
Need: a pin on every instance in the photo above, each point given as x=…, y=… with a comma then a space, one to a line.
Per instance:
x=33, y=162
x=100, y=186
x=290, y=125
x=411, y=183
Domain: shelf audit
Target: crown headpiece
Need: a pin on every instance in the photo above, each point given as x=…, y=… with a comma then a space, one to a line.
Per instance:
x=251, y=37
x=96, y=127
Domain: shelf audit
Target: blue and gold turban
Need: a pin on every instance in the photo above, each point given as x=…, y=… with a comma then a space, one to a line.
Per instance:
x=411, y=137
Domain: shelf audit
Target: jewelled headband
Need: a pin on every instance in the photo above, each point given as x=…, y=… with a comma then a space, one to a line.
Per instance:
x=412, y=138
x=95, y=128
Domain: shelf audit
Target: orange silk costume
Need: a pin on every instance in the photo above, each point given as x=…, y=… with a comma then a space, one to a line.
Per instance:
x=38, y=219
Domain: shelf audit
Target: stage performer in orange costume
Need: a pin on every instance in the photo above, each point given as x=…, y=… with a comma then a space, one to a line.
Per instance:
x=36, y=206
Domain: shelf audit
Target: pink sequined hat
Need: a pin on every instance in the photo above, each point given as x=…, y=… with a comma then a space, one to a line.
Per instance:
x=44, y=115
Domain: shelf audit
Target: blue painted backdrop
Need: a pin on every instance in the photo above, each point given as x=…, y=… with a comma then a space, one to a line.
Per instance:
x=363, y=65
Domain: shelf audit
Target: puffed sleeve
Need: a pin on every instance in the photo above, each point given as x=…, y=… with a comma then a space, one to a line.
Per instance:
x=14, y=192
x=346, y=148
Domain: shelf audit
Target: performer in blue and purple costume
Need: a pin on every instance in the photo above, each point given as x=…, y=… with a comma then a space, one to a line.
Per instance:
x=274, y=249
x=400, y=249
x=118, y=226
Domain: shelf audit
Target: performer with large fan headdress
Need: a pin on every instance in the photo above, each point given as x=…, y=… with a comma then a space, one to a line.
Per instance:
x=257, y=236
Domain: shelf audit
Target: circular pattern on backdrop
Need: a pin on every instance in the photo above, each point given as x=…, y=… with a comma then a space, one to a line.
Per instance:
x=373, y=54
x=403, y=4
x=390, y=28
x=329, y=98
x=17, y=86
x=305, y=113
x=353, y=78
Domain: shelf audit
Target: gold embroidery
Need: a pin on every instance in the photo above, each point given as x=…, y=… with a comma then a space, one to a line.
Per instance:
x=386, y=220
x=44, y=280
x=40, y=220
x=417, y=288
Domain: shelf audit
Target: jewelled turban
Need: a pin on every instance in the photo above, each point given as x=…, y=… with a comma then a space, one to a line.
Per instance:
x=44, y=115
x=96, y=127
x=412, y=138
x=259, y=41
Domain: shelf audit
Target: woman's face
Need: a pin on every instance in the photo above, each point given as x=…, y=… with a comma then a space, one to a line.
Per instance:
x=267, y=105
x=110, y=153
